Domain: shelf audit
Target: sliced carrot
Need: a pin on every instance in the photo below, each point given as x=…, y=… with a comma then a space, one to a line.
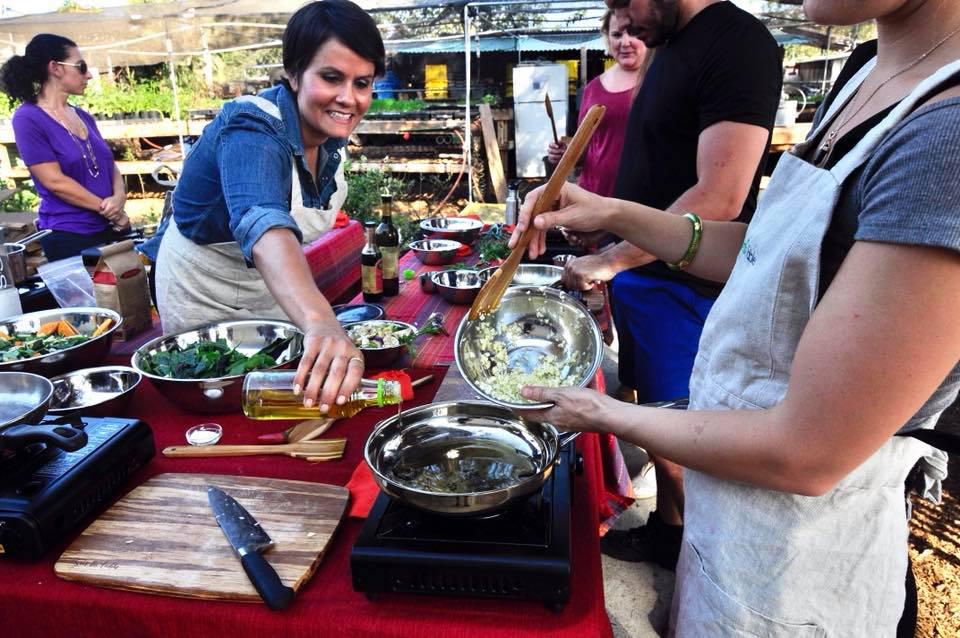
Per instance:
x=103, y=327
x=66, y=329
x=48, y=328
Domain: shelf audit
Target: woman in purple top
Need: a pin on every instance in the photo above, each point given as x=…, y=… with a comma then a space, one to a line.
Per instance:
x=614, y=89
x=81, y=189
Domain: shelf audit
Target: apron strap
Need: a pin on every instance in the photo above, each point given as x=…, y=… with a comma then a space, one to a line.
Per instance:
x=945, y=441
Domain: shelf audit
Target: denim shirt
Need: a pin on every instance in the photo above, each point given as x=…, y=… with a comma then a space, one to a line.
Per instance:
x=236, y=180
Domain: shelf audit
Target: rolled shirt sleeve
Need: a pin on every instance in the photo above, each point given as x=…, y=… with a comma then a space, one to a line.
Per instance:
x=255, y=173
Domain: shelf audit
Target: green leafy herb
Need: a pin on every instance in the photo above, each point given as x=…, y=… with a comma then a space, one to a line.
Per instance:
x=210, y=359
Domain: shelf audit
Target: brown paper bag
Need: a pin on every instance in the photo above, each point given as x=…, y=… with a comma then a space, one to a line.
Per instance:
x=120, y=284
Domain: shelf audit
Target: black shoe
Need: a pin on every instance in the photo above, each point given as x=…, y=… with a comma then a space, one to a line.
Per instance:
x=655, y=542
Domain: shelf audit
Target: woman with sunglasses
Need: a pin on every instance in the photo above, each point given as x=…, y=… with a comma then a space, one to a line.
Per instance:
x=81, y=189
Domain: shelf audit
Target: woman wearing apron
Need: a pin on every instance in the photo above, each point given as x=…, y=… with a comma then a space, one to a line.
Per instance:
x=266, y=176
x=795, y=514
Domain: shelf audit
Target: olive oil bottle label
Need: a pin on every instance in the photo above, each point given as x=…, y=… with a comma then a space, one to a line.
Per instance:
x=389, y=258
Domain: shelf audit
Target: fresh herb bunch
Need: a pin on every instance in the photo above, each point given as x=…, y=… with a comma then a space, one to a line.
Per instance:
x=493, y=245
x=210, y=359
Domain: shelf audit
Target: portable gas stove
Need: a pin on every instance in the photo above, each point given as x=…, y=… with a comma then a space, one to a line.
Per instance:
x=522, y=551
x=46, y=492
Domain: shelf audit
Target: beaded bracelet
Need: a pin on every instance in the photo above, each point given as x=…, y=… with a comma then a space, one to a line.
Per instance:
x=694, y=246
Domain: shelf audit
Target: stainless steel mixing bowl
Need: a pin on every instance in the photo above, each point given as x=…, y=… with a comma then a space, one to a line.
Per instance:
x=462, y=229
x=457, y=286
x=530, y=274
x=103, y=391
x=435, y=252
x=220, y=394
x=549, y=321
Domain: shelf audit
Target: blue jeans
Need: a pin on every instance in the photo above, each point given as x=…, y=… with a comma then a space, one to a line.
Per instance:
x=60, y=244
x=658, y=322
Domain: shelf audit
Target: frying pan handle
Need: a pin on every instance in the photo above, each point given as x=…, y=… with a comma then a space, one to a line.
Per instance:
x=61, y=436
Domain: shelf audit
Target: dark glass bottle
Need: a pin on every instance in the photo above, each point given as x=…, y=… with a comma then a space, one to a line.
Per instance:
x=388, y=241
x=369, y=266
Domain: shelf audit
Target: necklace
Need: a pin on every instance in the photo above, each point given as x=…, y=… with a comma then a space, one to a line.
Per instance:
x=828, y=141
x=86, y=148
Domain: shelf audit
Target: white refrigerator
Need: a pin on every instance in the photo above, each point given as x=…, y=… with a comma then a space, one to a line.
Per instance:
x=532, y=130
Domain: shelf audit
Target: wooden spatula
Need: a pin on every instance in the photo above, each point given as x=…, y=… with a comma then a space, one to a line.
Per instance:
x=326, y=449
x=489, y=296
x=553, y=123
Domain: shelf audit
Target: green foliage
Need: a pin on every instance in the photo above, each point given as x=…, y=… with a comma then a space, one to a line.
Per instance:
x=364, y=189
x=391, y=105
x=25, y=199
x=210, y=359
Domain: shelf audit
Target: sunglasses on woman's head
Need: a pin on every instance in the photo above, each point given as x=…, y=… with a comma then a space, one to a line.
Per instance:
x=79, y=66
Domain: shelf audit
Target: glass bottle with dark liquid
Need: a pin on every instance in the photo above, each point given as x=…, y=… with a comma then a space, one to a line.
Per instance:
x=369, y=266
x=388, y=242
x=268, y=394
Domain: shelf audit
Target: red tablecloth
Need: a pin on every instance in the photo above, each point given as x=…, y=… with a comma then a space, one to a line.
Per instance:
x=37, y=603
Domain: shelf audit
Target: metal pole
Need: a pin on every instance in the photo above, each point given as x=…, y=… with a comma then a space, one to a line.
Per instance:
x=826, y=64
x=466, y=115
x=176, y=96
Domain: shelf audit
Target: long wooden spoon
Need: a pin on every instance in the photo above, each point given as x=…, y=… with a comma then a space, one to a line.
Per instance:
x=324, y=448
x=547, y=105
x=489, y=296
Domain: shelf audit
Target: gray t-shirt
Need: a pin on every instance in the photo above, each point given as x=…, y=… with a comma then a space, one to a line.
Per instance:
x=908, y=192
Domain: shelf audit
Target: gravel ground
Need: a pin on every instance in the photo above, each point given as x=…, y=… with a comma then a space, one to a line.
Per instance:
x=935, y=549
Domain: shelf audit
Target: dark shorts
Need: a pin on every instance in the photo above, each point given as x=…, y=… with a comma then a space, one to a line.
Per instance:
x=658, y=322
x=61, y=244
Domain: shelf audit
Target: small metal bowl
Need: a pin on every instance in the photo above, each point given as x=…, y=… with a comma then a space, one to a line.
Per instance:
x=458, y=286
x=435, y=252
x=380, y=357
x=219, y=394
x=530, y=275
x=550, y=321
x=89, y=353
x=462, y=229
x=104, y=391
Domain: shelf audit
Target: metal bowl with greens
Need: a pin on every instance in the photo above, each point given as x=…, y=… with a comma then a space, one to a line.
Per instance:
x=202, y=370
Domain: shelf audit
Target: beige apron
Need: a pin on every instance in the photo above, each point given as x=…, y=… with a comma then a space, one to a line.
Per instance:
x=199, y=284
x=756, y=562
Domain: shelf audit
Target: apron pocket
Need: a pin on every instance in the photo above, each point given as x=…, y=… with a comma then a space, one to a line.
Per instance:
x=705, y=609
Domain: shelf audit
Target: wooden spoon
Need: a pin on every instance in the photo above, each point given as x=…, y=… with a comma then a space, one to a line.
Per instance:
x=547, y=105
x=327, y=448
x=489, y=296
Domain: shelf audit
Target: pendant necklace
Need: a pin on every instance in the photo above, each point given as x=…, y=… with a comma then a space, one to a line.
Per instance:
x=86, y=149
x=826, y=148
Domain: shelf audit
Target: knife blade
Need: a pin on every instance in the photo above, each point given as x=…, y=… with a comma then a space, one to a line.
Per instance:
x=249, y=540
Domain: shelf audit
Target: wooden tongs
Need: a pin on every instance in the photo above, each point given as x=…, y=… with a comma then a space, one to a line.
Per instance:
x=492, y=292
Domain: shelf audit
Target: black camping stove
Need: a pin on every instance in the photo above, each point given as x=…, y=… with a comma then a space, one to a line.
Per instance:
x=45, y=493
x=522, y=551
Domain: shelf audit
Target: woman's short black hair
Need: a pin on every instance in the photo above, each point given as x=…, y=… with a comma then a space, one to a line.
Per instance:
x=23, y=75
x=315, y=23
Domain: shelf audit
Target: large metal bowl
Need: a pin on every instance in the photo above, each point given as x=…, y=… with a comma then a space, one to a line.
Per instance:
x=381, y=357
x=87, y=354
x=549, y=321
x=462, y=229
x=529, y=274
x=435, y=252
x=104, y=391
x=457, y=286
x=461, y=458
x=220, y=394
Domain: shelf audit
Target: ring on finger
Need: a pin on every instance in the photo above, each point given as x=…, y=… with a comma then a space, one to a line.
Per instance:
x=360, y=359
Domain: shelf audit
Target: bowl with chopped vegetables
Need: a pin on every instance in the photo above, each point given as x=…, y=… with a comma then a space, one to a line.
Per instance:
x=383, y=341
x=536, y=336
x=51, y=342
x=202, y=370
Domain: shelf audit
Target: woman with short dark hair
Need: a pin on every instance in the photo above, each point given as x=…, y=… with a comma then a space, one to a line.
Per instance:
x=81, y=189
x=266, y=176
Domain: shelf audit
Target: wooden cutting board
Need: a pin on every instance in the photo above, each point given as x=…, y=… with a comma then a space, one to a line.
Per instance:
x=163, y=538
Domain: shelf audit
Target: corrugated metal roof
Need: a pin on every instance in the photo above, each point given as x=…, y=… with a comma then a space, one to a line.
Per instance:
x=516, y=42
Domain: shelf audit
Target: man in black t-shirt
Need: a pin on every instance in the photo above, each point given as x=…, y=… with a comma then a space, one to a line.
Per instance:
x=695, y=141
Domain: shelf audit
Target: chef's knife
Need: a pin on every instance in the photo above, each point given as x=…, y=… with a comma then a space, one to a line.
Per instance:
x=249, y=540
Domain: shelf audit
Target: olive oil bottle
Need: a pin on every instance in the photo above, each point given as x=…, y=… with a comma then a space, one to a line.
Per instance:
x=268, y=394
x=388, y=242
x=370, y=266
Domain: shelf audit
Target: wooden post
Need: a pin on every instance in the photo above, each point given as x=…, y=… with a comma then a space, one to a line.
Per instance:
x=492, y=150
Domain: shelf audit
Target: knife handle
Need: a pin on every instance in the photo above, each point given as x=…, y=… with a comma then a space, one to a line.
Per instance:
x=265, y=579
